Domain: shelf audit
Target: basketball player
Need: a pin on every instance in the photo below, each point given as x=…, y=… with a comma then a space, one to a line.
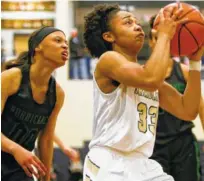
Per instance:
x=30, y=102
x=176, y=147
x=127, y=95
x=70, y=152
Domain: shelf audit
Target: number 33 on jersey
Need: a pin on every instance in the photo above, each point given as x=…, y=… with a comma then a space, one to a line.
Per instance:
x=148, y=111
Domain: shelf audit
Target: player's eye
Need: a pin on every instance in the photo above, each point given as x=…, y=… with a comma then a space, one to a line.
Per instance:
x=57, y=40
x=128, y=22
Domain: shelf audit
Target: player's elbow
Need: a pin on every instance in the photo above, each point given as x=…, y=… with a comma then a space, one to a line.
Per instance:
x=45, y=138
x=192, y=111
x=189, y=116
x=153, y=83
x=192, y=116
x=153, y=80
x=45, y=142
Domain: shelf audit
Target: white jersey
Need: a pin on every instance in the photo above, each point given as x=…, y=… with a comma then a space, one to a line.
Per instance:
x=125, y=119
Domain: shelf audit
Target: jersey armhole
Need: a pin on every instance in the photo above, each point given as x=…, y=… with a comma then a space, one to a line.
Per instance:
x=106, y=94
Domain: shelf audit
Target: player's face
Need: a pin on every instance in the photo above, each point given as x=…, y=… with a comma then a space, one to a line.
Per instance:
x=55, y=48
x=153, y=40
x=127, y=31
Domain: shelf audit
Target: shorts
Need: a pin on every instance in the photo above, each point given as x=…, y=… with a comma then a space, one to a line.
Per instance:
x=105, y=164
x=180, y=157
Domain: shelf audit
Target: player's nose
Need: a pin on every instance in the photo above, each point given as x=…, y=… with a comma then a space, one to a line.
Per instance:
x=138, y=28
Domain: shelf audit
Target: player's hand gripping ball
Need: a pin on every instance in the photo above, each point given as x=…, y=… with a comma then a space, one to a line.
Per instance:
x=189, y=36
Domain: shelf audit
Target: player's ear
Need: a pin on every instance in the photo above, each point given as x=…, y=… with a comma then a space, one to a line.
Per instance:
x=108, y=36
x=38, y=48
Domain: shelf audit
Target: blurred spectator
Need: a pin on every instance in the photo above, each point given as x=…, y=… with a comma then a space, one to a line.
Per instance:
x=73, y=155
x=78, y=66
x=70, y=152
x=53, y=174
x=88, y=63
x=2, y=55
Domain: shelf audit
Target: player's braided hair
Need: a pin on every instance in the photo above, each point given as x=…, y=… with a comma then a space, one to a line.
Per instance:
x=96, y=23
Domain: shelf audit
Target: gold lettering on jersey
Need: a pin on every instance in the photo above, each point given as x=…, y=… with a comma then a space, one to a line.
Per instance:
x=149, y=95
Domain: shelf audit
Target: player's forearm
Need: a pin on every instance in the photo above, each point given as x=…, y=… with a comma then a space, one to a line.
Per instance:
x=158, y=62
x=192, y=94
x=201, y=113
x=8, y=145
x=46, y=153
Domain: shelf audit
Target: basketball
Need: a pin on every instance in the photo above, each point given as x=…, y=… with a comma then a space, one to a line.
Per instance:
x=189, y=36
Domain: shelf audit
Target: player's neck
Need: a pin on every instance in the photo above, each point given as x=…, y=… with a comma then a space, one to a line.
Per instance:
x=130, y=56
x=39, y=74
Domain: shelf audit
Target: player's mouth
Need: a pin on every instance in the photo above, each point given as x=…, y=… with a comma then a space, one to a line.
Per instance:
x=141, y=35
x=65, y=55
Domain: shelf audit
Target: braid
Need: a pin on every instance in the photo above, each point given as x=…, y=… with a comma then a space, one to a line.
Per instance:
x=97, y=23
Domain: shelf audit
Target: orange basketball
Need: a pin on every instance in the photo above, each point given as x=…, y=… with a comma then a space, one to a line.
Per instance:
x=189, y=36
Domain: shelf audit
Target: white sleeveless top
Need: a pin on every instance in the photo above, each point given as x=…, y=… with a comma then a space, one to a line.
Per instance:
x=125, y=119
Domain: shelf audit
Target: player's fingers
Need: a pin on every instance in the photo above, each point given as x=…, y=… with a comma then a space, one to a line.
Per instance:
x=40, y=164
x=176, y=15
x=161, y=14
x=39, y=168
x=182, y=21
x=170, y=11
x=31, y=169
x=201, y=50
x=28, y=173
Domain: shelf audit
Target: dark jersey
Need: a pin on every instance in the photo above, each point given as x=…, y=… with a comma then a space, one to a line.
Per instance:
x=169, y=126
x=23, y=118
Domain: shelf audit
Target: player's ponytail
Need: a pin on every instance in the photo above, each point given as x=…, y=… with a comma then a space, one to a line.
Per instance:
x=17, y=62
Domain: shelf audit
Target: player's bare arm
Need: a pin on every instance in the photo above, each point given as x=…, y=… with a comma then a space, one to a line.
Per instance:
x=45, y=142
x=201, y=112
x=184, y=106
x=185, y=70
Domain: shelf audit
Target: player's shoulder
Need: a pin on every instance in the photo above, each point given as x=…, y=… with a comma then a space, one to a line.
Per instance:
x=11, y=74
x=110, y=55
x=110, y=60
x=11, y=79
